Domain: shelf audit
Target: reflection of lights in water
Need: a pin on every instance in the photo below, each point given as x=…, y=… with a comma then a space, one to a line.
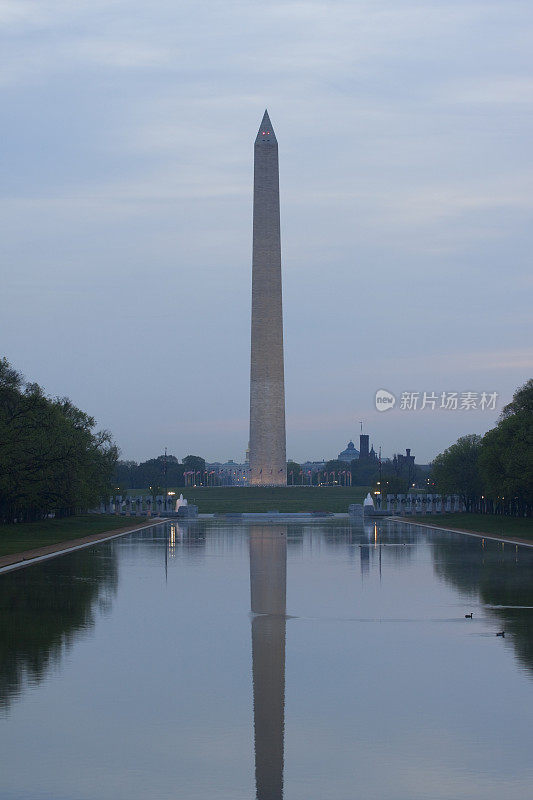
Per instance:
x=175, y=537
x=375, y=534
x=172, y=541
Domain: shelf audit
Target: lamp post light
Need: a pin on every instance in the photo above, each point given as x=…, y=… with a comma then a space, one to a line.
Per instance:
x=168, y=499
x=165, y=472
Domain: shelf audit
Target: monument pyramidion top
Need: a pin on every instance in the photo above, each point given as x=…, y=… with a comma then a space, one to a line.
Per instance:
x=266, y=133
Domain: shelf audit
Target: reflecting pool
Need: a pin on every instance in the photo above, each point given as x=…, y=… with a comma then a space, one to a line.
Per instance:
x=299, y=661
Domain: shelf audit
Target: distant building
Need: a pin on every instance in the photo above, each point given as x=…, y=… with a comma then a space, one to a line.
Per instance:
x=365, y=452
x=404, y=460
x=404, y=465
x=350, y=454
x=228, y=474
x=313, y=466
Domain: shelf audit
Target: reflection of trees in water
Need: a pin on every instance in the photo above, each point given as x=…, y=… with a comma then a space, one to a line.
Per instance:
x=335, y=535
x=169, y=539
x=371, y=538
x=501, y=575
x=45, y=607
x=193, y=534
x=295, y=536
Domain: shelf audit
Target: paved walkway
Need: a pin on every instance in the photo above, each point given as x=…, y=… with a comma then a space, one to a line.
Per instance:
x=27, y=557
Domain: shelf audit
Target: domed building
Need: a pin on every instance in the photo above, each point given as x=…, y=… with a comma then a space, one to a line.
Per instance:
x=350, y=454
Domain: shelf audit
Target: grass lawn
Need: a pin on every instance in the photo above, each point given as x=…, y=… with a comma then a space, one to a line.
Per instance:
x=29, y=535
x=227, y=499
x=481, y=523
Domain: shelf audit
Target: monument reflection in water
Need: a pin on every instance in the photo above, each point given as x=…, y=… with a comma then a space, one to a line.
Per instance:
x=268, y=583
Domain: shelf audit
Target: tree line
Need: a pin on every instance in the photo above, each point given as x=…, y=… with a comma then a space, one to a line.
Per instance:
x=494, y=473
x=156, y=474
x=392, y=476
x=52, y=460
x=166, y=471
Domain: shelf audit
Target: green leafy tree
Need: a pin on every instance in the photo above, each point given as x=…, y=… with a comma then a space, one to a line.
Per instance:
x=522, y=402
x=175, y=472
x=456, y=470
x=51, y=459
x=506, y=458
x=392, y=484
x=150, y=473
x=336, y=467
x=365, y=472
x=194, y=463
x=124, y=475
x=293, y=473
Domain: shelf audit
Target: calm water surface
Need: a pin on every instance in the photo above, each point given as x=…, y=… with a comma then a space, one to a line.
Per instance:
x=299, y=661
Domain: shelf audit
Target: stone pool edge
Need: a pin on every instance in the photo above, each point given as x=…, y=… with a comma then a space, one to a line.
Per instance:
x=27, y=557
x=505, y=539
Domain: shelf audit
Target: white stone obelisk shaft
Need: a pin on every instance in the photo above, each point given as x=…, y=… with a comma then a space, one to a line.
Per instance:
x=268, y=466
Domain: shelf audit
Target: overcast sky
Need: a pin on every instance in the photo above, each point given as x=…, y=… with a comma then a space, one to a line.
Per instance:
x=404, y=132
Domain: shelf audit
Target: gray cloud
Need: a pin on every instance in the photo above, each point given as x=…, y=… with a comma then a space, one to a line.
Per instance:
x=404, y=132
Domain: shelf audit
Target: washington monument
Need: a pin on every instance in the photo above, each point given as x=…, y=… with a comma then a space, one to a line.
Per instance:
x=268, y=465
